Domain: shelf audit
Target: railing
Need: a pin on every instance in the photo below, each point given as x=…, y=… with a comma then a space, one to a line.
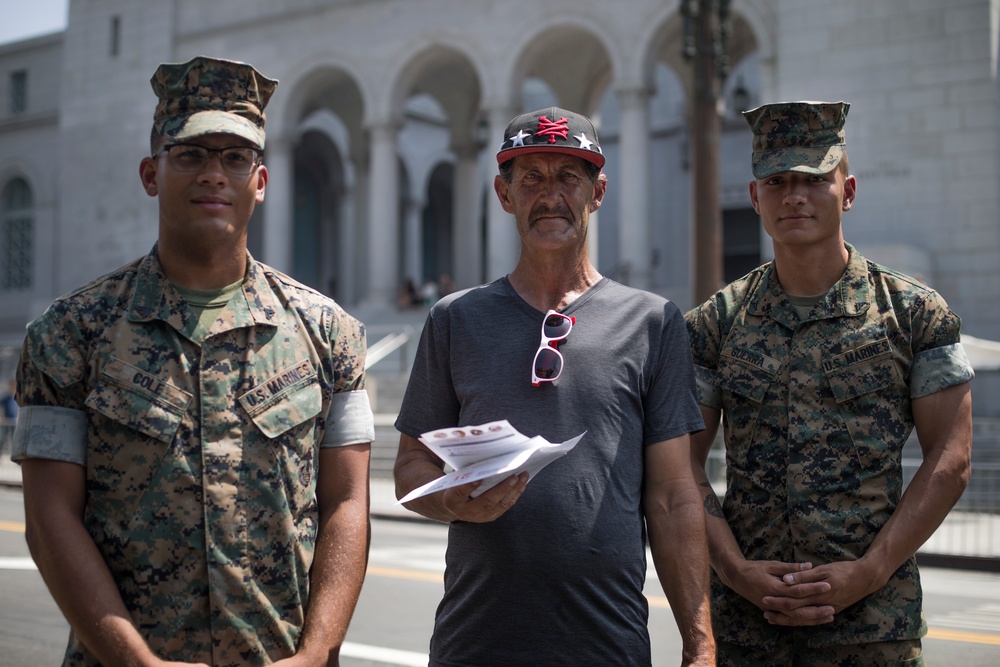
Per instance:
x=972, y=529
x=395, y=340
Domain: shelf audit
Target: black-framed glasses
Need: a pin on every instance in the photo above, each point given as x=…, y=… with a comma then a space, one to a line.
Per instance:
x=548, y=363
x=235, y=160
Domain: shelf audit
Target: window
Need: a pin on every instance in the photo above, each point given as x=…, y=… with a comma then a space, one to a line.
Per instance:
x=16, y=236
x=18, y=91
x=740, y=243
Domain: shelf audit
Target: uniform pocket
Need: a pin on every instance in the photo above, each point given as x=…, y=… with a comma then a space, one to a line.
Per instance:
x=139, y=400
x=872, y=397
x=142, y=414
x=861, y=371
x=745, y=378
x=288, y=399
x=746, y=374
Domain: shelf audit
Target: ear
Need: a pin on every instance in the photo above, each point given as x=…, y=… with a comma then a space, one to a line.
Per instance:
x=502, y=189
x=850, y=192
x=600, y=189
x=261, y=183
x=147, y=174
x=753, y=197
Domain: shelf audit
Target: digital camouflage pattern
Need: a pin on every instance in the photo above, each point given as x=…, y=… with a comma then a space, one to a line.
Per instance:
x=904, y=652
x=202, y=449
x=815, y=415
x=805, y=137
x=209, y=96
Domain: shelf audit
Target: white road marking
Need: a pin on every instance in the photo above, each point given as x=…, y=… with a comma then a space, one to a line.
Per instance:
x=389, y=656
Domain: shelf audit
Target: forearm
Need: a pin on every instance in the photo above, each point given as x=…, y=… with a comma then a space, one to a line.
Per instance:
x=944, y=429
x=678, y=544
x=78, y=578
x=341, y=552
x=414, y=467
x=725, y=553
x=336, y=577
x=933, y=491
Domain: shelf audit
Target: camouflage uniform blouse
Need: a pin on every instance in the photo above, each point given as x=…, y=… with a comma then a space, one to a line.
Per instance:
x=815, y=415
x=201, y=451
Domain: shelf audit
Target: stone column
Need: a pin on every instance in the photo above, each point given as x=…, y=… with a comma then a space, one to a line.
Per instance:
x=279, y=214
x=503, y=246
x=467, y=243
x=383, y=217
x=413, y=243
x=633, y=219
x=347, y=292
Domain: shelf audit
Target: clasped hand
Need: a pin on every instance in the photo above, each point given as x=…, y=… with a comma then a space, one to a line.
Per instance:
x=799, y=594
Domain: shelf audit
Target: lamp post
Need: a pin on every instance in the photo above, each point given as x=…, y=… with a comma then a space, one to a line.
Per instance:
x=706, y=33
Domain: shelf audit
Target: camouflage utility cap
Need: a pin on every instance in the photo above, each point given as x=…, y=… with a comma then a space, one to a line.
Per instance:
x=211, y=96
x=807, y=137
x=552, y=130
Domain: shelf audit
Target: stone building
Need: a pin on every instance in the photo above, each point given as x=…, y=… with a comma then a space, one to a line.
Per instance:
x=382, y=133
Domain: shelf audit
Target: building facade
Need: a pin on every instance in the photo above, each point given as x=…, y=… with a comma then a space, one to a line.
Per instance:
x=383, y=131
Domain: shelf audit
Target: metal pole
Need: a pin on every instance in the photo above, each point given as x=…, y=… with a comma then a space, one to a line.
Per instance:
x=704, y=46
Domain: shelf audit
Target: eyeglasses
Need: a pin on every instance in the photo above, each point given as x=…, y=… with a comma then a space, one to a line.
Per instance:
x=235, y=160
x=548, y=363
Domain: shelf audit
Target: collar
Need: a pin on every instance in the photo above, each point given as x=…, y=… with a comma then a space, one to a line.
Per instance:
x=849, y=297
x=156, y=298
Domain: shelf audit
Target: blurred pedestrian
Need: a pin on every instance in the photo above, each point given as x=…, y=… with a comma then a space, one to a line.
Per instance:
x=8, y=416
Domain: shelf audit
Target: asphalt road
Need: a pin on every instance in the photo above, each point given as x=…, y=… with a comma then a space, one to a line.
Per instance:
x=393, y=621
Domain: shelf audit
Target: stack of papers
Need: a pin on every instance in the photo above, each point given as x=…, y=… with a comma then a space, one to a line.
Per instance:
x=490, y=452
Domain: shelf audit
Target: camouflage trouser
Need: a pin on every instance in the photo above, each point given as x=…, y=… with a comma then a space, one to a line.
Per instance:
x=797, y=654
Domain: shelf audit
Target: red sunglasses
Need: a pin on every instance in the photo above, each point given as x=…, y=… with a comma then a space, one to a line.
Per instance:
x=548, y=363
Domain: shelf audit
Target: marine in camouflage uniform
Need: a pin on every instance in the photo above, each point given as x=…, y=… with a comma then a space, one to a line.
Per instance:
x=200, y=437
x=816, y=397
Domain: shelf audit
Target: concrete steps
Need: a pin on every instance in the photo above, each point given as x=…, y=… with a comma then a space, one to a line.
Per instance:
x=385, y=391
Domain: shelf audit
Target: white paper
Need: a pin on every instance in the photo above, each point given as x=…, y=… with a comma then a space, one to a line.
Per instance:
x=491, y=452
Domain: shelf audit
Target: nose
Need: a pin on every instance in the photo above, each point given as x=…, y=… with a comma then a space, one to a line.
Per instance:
x=213, y=167
x=549, y=189
x=794, y=193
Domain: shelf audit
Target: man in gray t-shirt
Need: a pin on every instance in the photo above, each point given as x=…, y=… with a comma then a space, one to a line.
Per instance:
x=552, y=573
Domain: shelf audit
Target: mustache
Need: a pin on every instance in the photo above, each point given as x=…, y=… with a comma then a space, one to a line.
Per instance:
x=543, y=211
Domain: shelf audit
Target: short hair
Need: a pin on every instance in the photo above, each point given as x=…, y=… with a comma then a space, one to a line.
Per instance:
x=507, y=169
x=156, y=141
x=842, y=165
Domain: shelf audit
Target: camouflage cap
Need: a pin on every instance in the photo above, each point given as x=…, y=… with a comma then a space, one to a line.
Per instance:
x=209, y=96
x=806, y=137
x=551, y=130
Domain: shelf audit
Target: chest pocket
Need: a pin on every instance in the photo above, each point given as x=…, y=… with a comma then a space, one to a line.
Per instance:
x=139, y=400
x=746, y=374
x=862, y=371
x=873, y=401
x=284, y=401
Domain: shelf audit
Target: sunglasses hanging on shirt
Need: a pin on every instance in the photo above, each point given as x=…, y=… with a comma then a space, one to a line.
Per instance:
x=548, y=363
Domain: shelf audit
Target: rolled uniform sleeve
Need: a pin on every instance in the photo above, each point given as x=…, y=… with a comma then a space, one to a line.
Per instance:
x=704, y=326
x=939, y=368
x=350, y=420
x=708, y=392
x=46, y=432
x=51, y=423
